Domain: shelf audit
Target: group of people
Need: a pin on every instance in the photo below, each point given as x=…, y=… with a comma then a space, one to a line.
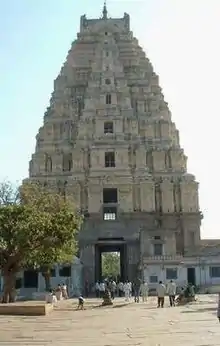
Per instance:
x=162, y=290
x=136, y=289
x=59, y=293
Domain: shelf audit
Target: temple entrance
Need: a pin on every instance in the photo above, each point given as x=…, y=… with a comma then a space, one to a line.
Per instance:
x=115, y=251
x=111, y=265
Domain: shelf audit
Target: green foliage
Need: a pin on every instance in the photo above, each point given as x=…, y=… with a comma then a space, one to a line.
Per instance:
x=110, y=264
x=38, y=231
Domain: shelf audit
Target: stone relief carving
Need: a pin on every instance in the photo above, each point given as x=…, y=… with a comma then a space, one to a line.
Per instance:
x=158, y=198
x=168, y=163
x=67, y=162
x=48, y=163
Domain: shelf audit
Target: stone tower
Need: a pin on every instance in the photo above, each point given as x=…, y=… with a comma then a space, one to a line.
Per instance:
x=109, y=141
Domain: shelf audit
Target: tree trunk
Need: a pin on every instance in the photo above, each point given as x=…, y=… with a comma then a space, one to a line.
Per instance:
x=46, y=276
x=9, y=291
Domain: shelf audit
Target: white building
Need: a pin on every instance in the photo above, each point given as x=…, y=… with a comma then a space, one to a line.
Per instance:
x=31, y=281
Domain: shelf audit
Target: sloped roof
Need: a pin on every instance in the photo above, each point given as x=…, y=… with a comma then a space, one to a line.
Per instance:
x=208, y=247
x=205, y=242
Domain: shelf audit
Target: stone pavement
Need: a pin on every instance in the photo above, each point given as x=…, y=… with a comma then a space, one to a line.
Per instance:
x=130, y=325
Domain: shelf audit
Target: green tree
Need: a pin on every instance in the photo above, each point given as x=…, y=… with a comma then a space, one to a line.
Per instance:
x=37, y=229
x=110, y=264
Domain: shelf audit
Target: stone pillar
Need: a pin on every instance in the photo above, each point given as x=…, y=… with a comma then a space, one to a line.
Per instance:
x=118, y=126
x=133, y=256
x=76, y=277
x=189, y=196
x=74, y=191
x=94, y=198
x=165, y=130
x=125, y=198
x=140, y=105
x=97, y=160
x=147, y=190
x=134, y=127
x=77, y=160
x=170, y=244
x=159, y=161
x=149, y=131
x=178, y=160
x=121, y=159
x=57, y=162
x=141, y=158
x=87, y=257
x=167, y=196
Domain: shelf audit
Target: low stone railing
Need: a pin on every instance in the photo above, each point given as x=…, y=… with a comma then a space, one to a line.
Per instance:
x=163, y=258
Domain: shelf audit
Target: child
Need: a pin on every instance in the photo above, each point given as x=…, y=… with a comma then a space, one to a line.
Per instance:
x=80, y=303
x=51, y=297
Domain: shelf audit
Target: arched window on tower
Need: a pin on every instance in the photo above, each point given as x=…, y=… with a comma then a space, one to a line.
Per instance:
x=108, y=99
x=168, y=163
x=67, y=162
x=48, y=163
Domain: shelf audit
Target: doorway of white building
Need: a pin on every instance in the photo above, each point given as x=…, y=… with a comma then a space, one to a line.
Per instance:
x=191, y=276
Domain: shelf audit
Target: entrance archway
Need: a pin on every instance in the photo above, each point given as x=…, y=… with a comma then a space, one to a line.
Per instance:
x=110, y=245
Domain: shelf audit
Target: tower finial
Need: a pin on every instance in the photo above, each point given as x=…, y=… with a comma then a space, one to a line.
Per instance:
x=105, y=12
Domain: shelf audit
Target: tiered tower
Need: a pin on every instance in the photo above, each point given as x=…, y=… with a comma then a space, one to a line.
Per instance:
x=108, y=140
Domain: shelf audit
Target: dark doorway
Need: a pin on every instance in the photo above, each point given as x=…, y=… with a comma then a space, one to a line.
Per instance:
x=110, y=196
x=30, y=278
x=191, y=276
x=117, y=248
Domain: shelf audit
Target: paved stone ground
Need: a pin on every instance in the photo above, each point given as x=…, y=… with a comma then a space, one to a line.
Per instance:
x=130, y=325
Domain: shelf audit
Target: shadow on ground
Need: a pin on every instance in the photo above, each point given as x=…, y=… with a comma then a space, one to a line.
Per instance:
x=91, y=307
x=199, y=310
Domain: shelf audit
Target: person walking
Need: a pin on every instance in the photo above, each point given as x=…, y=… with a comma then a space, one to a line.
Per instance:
x=127, y=291
x=113, y=287
x=120, y=289
x=97, y=289
x=136, y=286
x=64, y=291
x=144, y=291
x=171, y=291
x=161, y=291
x=102, y=289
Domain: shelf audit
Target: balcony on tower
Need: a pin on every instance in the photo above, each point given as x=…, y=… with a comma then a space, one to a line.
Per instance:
x=110, y=204
x=163, y=259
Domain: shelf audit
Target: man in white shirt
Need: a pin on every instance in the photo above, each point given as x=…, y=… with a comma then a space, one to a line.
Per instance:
x=144, y=291
x=113, y=287
x=127, y=291
x=64, y=291
x=130, y=289
x=102, y=289
x=120, y=289
x=161, y=291
x=97, y=289
x=171, y=290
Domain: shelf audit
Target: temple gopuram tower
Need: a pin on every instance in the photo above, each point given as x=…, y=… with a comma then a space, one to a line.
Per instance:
x=109, y=141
